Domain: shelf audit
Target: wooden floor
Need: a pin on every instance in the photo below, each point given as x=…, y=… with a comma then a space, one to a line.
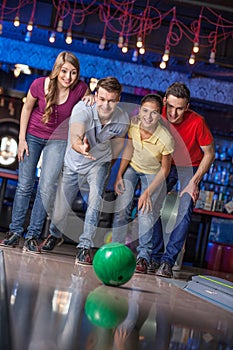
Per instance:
x=48, y=302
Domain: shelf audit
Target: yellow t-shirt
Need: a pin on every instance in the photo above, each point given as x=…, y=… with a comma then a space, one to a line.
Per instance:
x=147, y=154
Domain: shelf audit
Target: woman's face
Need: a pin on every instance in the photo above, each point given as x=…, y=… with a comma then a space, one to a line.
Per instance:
x=67, y=75
x=149, y=114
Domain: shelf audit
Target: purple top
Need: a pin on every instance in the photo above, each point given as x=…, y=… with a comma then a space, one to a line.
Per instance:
x=57, y=127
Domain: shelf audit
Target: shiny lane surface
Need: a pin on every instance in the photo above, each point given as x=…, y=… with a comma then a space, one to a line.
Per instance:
x=54, y=304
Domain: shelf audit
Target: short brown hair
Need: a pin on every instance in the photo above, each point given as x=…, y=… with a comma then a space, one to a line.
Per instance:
x=111, y=84
x=153, y=98
x=179, y=90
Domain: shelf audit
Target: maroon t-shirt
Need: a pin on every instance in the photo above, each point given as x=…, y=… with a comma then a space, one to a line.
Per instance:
x=57, y=127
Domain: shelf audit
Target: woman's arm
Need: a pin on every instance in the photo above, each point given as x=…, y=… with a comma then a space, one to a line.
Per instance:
x=144, y=202
x=24, y=119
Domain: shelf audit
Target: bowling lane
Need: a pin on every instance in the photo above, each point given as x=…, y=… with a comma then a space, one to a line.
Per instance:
x=53, y=304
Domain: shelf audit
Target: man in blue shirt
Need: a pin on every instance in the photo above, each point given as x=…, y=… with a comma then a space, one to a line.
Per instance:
x=96, y=137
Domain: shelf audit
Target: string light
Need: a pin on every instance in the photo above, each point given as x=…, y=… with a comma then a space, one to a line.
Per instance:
x=69, y=38
x=192, y=58
x=142, y=50
x=28, y=37
x=125, y=22
x=135, y=55
x=30, y=23
x=212, y=56
x=120, y=41
x=166, y=55
x=163, y=65
x=16, y=21
x=125, y=47
x=139, y=42
x=52, y=37
x=196, y=47
x=60, y=25
x=102, y=43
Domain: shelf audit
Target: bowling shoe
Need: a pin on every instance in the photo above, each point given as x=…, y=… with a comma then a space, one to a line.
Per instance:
x=141, y=265
x=50, y=243
x=83, y=256
x=31, y=246
x=165, y=270
x=153, y=267
x=11, y=240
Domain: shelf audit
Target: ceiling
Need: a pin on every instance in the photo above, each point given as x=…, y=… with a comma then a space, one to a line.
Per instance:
x=89, y=26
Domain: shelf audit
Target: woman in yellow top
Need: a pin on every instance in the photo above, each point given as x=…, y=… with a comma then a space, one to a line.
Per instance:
x=146, y=158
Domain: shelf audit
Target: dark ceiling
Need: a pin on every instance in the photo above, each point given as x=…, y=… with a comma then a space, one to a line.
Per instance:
x=91, y=17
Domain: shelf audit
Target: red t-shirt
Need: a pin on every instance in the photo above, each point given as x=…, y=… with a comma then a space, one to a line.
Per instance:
x=57, y=127
x=189, y=136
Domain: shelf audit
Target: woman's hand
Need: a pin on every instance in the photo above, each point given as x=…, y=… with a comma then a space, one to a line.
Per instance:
x=22, y=148
x=89, y=100
x=144, y=202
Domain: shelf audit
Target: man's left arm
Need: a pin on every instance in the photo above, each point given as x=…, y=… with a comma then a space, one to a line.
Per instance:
x=208, y=158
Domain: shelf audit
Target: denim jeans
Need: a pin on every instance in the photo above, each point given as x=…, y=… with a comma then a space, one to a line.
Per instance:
x=53, y=155
x=70, y=183
x=146, y=221
x=180, y=230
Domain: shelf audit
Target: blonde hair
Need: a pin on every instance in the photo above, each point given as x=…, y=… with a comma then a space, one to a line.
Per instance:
x=50, y=97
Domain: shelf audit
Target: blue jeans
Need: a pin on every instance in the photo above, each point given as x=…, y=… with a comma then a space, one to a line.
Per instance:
x=70, y=183
x=146, y=221
x=53, y=155
x=180, y=231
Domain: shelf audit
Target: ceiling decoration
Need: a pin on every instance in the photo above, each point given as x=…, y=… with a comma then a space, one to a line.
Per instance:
x=159, y=39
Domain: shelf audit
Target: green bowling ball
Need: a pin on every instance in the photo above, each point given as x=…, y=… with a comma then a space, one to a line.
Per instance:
x=105, y=308
x=114, y=264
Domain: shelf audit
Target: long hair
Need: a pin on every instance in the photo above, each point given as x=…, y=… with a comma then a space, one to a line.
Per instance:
x=52, y=87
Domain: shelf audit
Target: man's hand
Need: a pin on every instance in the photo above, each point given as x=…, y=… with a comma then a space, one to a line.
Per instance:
x=193, y=190
x=119, y=186
x=83, y=147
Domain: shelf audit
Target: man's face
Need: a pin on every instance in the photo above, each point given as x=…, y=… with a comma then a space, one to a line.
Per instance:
x=106, y=103
x=175, y=108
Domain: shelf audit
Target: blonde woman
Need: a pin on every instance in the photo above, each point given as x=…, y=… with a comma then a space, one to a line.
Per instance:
x=43, y=127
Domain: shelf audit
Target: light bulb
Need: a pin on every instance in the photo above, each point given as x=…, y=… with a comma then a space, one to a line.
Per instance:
x=135, y=56
x=102, y=43
x=28, y=37
x=196, y=47
x=139, y=42
x=192, y=59
x=212, y=57
x=69, y=38
x=163, y=65
x=125, y=48
x=142, y=50
x=16, y=21
x=120, y=41
x=0, y=28
x=166, y=54
x=52, y=38
x=30, y=26
x=60, y=25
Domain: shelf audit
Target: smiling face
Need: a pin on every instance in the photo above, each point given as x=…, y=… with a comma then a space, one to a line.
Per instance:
x=175, y=108
x=106, y=103
x=149, y=115
x=67, y=75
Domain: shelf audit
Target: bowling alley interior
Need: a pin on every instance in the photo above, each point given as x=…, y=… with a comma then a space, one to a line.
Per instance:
x=50, y=302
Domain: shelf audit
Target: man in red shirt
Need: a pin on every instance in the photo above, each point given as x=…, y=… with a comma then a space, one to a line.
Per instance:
x=192, y=158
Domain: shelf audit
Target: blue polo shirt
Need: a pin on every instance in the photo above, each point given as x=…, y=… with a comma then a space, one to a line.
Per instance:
x=99, y=137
